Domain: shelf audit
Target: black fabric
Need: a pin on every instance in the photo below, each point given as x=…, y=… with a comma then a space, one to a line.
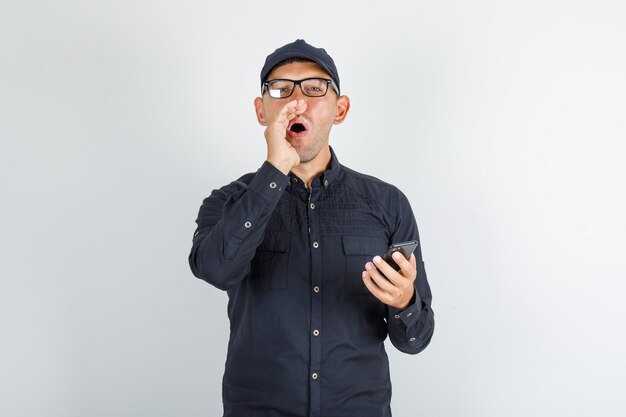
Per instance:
x=306, y=336
x=301, y=49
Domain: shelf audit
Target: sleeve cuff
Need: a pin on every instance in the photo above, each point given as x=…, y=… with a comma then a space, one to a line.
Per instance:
x=409, y=314
x=269, y=182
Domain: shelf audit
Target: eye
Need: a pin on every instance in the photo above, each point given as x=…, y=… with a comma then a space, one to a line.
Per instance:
x=315, y=87
x=280, y=88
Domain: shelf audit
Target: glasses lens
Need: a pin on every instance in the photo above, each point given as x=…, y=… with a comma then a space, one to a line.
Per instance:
x=314, y=87
x=280, y=88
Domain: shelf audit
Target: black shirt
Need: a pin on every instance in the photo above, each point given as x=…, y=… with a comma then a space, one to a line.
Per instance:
x=306, y=336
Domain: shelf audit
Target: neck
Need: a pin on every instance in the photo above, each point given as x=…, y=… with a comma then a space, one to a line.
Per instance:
x=307, y=171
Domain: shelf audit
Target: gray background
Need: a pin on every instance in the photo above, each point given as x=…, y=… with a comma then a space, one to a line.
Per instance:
x=502, y=121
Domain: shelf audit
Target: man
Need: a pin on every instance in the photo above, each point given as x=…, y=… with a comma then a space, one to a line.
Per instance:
x=295, y=245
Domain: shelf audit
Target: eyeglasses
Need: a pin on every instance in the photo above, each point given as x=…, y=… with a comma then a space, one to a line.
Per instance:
x=310, y=87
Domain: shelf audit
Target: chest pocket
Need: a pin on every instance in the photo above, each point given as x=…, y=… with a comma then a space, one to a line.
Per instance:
x=272, y=260
x=359, y=250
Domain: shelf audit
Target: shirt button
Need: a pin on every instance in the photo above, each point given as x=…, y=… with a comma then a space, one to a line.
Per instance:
x=316, y=332
x=397, y=316
x=248, y=225
x=412, y=339
x=316, y=245
x=316, y=289
x=272, y=184
x=312, y=206
x=325, y=183
x=314, y=375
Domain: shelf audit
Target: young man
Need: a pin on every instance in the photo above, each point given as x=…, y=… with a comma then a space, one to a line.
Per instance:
x=295, y=244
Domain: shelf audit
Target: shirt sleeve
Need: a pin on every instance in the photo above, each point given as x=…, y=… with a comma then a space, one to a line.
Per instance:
x=411, y=328
x=231, y=225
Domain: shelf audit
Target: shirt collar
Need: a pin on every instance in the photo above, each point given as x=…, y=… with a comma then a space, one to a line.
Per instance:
x=328, y=176
x=331, y=173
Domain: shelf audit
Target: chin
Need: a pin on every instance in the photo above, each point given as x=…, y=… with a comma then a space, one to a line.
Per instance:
x=307, y=155
x=309, y=151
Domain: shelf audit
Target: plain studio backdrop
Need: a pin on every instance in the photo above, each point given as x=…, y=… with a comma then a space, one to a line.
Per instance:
x=503, y=122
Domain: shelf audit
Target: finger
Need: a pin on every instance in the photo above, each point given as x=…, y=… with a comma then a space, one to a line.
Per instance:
x=391, y=274
x=301, y=106
x=373, y=288
x=287, y=108
x=297, y=110
x=407, y=267
x=381, y=280
x=296, y=106
x=291, y=105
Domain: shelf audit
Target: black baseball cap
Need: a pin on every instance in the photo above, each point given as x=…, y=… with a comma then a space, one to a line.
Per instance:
x=300, y=49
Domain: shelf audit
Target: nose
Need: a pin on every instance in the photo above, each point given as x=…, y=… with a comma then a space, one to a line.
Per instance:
x=297, y=93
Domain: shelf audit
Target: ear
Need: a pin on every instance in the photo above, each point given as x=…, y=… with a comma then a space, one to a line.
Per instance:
x=343, y=106
x=260, y=113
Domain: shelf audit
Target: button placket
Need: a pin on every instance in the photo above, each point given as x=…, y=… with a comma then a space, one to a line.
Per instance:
x=316, y=299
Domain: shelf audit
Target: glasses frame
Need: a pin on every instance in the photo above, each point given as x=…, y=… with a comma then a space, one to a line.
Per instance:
x=298, y=83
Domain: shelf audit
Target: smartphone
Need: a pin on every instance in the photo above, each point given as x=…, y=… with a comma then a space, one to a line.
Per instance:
x=406, y=248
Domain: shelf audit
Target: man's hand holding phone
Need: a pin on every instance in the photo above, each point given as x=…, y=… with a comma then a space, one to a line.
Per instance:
x=392, y=287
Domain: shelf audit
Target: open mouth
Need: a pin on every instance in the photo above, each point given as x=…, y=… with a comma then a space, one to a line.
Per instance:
x=297, y=131
x=297, y=128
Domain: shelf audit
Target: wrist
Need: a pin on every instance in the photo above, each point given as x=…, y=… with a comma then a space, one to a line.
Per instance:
x=409, y=301
x=282, y=166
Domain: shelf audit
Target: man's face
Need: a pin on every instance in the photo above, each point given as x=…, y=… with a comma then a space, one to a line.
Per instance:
x=318, y=118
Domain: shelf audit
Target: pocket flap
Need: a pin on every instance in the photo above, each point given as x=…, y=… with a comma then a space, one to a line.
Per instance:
x=363, y=245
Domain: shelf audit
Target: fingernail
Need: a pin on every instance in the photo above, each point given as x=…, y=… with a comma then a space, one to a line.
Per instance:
x=377, y=259
x=396, y=255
